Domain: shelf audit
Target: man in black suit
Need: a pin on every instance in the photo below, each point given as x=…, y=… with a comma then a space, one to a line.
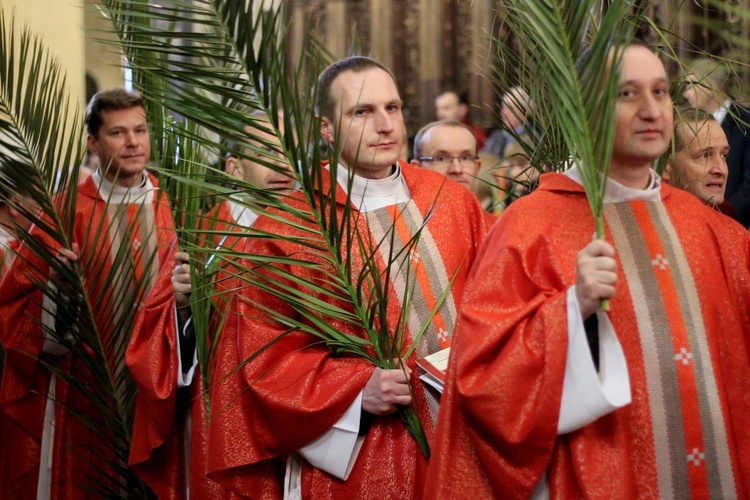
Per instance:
x=708, y=90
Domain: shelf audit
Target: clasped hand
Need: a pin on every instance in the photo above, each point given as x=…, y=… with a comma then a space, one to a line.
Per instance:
x=596, y=276
x=386, y=391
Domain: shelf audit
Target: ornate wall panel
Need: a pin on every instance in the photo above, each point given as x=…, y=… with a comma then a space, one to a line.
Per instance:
x=432, y=45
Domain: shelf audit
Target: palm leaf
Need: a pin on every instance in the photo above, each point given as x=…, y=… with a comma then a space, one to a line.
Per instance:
x=578, y=122
x=231, y=62
x=94, y=309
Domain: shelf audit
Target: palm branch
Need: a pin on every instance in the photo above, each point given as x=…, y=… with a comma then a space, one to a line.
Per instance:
x=94, y=317
x=215, y=83
x=568, y=56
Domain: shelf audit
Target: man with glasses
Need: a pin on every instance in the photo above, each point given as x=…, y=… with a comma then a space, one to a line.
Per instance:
x=448, y=147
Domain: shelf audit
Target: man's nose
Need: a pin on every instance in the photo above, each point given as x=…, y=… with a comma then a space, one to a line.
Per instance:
x=650, y=108
x=456, y=165
x=383, y=122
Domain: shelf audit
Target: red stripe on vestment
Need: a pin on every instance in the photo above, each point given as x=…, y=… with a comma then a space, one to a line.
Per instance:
x=695, y=449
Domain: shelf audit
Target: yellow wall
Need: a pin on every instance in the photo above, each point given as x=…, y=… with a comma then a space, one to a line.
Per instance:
x=60, y=24
x=103, y=63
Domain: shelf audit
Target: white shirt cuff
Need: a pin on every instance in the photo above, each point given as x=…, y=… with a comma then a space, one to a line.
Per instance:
x=184, y=379
x=588, y=395
x=337, y=449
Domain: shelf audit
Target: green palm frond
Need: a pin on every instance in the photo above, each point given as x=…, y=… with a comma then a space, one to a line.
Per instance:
x=574, y=103
x=569, y=58
x=229, y=63
x=93, y=300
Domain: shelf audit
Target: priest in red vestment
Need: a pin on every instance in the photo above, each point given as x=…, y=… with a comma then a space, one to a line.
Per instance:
x=162, y=363
x=332, y=417
x=119, y=211
x=549, y=397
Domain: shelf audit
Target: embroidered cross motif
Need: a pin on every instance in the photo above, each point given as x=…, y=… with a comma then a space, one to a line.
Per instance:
x=442, y=335
x=660, y=261
x=414, y=256
x=696, y=456
x=683, y=356
x=136, y=245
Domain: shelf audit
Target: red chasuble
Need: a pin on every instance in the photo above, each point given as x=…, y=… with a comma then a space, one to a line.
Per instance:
x=156, y=449
x=682, y=315
x=296, y=389
x=75, y=458
x=18, y=470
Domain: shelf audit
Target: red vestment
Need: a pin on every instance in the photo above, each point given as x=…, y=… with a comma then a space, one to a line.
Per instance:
x=156, y=450
x=681, y=313
x=296, y=389
x=78, y=454
x=18, y=470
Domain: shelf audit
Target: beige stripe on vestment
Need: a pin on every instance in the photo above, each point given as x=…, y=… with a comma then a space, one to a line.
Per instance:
x=381, y=228
x=656, y=346
x=718, y=460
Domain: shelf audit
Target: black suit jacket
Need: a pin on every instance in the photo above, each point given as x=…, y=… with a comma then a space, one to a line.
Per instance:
x=737, y=127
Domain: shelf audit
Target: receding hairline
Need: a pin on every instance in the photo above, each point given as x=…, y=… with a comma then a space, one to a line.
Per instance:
x=419, y=139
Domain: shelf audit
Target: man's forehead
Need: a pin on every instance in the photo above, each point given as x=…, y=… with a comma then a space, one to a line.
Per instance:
x=703, y=133
x=438, y=134
x=112, y=117
x=360, y=82
x=640, y=65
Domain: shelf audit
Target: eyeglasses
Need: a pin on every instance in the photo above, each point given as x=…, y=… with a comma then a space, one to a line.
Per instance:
x=445, y=161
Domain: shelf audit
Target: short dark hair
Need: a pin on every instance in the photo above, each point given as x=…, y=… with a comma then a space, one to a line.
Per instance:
x=419, y=138
x=109, y=100
x=461, y=97
x=324, y=105
x=684, y=115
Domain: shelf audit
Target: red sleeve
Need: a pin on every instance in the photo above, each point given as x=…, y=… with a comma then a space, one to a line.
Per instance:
x=20, y=315
x=151, y=357
x=498, y=421
x=25, y=381
x=156, y=440
x=294, y=379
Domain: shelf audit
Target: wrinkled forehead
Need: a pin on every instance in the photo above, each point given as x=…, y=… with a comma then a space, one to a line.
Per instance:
x=702, y=133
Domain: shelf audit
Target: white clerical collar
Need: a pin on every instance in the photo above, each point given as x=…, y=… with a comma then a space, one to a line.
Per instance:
x=617, y=193
x=123, y=195
x=371, y=194
x=721, y=113
x=241, y=214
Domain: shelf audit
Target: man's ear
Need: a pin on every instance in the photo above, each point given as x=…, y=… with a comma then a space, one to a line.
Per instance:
x=327, y=129
x=666, y=176
x=232, y=167
x=91, y=143
x=416, y=162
